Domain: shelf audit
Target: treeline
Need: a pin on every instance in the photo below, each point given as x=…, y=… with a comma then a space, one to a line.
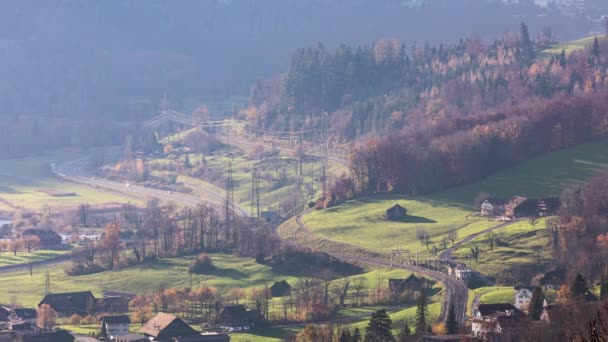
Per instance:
x=388, y=85
x=422, y=159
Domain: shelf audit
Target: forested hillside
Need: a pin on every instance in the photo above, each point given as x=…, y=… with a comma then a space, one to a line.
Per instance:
x=116, y=59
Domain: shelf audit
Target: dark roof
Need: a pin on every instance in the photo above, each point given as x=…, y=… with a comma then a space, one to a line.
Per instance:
x=118, y=319
x=521, y=287
x=204, y=337
x=590, y=297
x=280, y=289
x=162, y=321
x=235, y=310
x=69, y=302
x=41, y=232
x=396, y=206
x=554, y=277
x=55, y=336
x=26, y=313
x=490, y=309
x=130, y=338
x=509, y=322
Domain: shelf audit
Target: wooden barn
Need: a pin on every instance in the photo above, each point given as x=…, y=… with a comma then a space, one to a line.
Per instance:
x=396, y=212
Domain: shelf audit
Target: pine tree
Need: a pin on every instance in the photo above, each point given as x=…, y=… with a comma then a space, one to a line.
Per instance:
x=536, y=304
x=187, y=163
x=345, y=336
x=578, y=287
x=595, y=51
x=526, y=47
x=379, y=328
x=562, y=58
x=421, y=312
x=356, y=337
x=603, y=287
x=451, y=324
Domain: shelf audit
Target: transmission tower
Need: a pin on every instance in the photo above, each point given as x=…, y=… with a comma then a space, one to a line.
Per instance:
x=47, y=283
x=255, y=192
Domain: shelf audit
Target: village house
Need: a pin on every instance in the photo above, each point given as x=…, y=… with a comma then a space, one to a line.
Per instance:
x=165, y=327
x=69, y=303
x=460, y=272
x=487, y=208
x=113, y=326
x=496, y=322
x=234, y=318
x=48, y=238
x=396, y=212
x=523, y=297
x=410, y=284
x=280, y=289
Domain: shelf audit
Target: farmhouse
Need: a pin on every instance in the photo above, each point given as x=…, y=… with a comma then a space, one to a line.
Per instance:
x=26, y=315
x=396, y=212
x=496, y=322
x=234, y=317
x=67, y=304
x=521, y=207
x=48, y=238
x=523, y=297
x=280, y=289
x=113, y=326
x=164, y=327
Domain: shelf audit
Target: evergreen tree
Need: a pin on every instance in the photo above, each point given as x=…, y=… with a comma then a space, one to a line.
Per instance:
x=345, y=336
x=421, y=312
x=379, y=328
x=526, y=47
x=562, y=58
x=404, y=331
x=187, y=163
x=451, y=324
x=578, y=287
x=356, y=337
x=595, y=51
x=603, y=287
x=536, y=304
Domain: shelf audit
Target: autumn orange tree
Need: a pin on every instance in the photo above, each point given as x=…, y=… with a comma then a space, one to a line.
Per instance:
x=111, y=243
x=46, y=317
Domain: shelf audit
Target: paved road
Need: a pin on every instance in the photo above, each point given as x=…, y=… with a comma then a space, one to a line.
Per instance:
x=456, y=290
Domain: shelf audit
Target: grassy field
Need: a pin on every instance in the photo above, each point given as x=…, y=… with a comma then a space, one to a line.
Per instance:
x=28, y=183
x=8, y=258
x=521, y=240
x=495, y=295
x=360, y=222
x=231, y=272
x=571, y=46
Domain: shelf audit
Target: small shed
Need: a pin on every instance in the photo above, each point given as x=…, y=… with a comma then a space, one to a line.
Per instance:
x=269, y=216
x=280, y=289
x=395, y=212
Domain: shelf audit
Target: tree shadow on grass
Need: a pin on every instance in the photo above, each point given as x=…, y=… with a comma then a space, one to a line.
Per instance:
x=228, y=273
x=413, y=219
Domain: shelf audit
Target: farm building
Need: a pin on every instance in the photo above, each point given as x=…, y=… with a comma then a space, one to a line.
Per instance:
x=48, y=238
x=234, y=317
x=280, y=289
x=396, y=212
x=165, y=327
x=521, y=207
x=411, y=283
x=26, y=315
x=114, y=304
x=69, y=303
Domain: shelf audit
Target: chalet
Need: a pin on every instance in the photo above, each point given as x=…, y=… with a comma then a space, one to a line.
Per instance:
x=521, y=207
x=396, y=212
x=487, y=208
x=497, y=322
x=130, y=338
x=69, y=303
x=234, y=318
x=48, y=238
x=164, y=328
x=25, y=314
x=411, y=284
x=523, y=297
x=114, y=304
x=114, y=326
x=269, y=216
x=280, y=289
x=548, y=206
x=552, y=280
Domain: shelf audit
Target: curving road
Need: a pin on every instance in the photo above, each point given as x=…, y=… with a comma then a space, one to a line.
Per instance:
x=456, y=291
